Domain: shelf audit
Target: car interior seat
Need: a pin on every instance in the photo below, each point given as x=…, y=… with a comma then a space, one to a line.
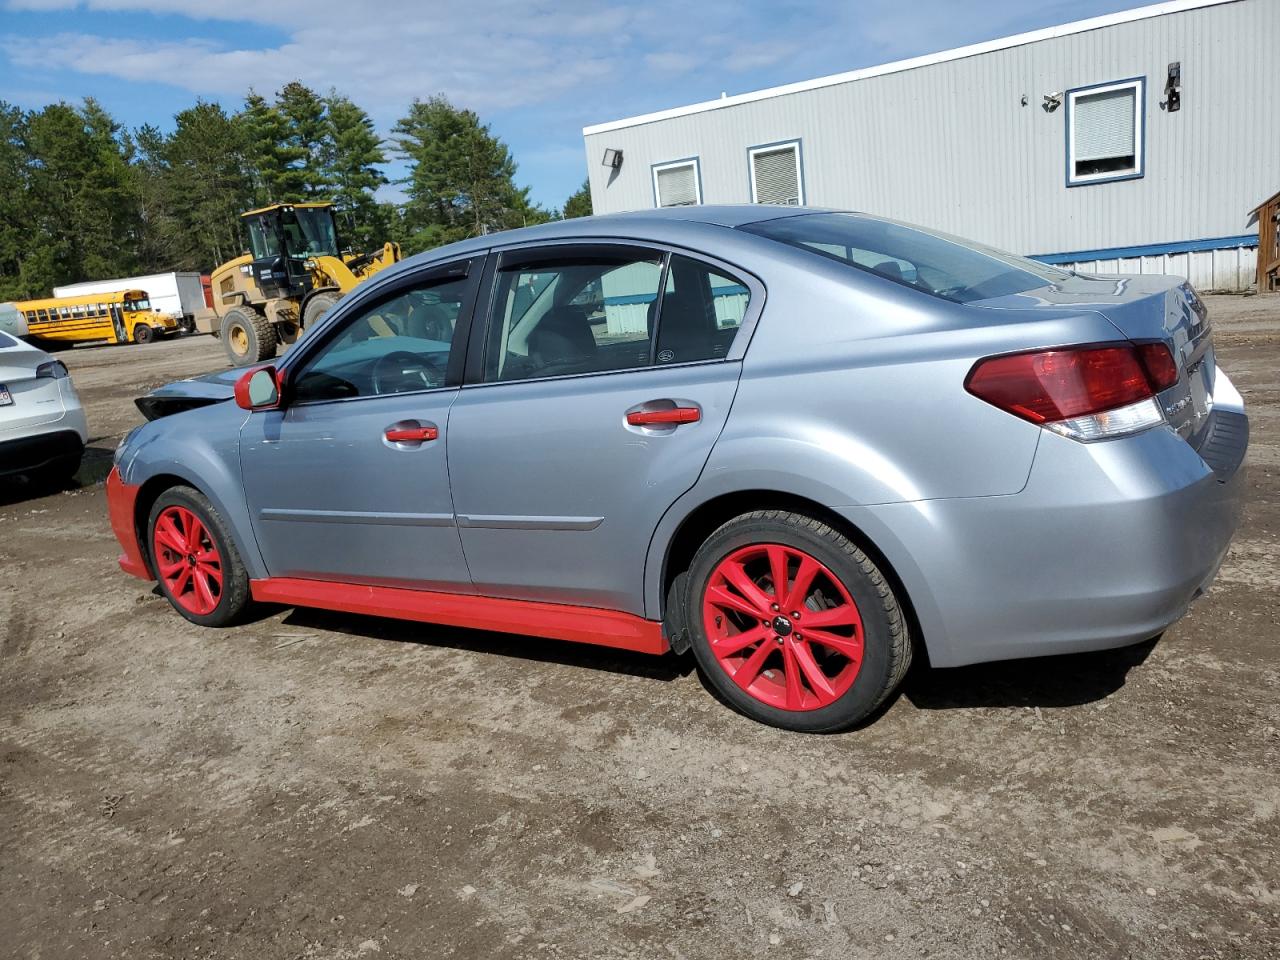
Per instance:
x=563, y=337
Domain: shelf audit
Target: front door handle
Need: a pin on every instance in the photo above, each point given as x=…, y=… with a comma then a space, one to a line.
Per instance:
x=400, y=433
x=669, y=417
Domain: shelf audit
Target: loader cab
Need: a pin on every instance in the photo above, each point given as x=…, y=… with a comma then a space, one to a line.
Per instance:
x=282, y=238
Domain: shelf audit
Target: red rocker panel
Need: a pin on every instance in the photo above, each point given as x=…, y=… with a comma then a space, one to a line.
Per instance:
x=606, y=628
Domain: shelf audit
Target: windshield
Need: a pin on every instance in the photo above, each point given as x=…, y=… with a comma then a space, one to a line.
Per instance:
x=311, y=234
x=934, y=263
x=143, y=304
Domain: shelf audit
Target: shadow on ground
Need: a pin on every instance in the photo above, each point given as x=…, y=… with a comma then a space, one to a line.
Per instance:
x=17, y=488
x=1062, y=681
x=533, y=649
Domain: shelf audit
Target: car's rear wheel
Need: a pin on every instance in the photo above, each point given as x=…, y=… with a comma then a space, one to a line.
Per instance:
x=195, y=559
x=793, y=624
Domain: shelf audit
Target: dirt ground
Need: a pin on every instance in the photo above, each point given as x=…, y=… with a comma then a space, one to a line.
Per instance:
x=327, y=786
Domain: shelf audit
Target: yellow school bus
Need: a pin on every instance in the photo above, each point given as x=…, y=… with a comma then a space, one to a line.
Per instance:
x=125, y=316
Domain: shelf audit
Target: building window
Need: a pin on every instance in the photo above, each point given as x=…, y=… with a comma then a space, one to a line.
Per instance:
x=776, y=175
x=677, y=184
x=1105, y=132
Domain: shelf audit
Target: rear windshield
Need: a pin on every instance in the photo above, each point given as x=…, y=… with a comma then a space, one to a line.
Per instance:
x=6, y=341
x=935, y=263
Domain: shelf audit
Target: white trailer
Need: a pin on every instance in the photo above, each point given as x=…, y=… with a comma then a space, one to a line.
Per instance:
x=179, y=295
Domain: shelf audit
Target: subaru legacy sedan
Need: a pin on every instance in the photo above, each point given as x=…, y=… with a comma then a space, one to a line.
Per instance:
x=804, y=444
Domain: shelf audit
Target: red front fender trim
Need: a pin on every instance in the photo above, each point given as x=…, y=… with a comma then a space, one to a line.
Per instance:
x=122, y=499
x=606, y=628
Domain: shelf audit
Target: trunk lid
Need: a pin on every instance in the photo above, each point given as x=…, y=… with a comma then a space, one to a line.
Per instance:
x=1145, y=308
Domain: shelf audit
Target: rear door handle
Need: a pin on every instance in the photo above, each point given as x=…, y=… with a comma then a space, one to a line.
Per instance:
x=405, y=434
x=671, y=416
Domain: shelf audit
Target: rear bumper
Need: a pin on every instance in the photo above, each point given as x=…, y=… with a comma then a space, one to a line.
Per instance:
x=25, y=454
x=122, y=499
x=1107, y=545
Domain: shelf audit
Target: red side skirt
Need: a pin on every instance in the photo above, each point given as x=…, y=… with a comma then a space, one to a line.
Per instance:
x=607, y=628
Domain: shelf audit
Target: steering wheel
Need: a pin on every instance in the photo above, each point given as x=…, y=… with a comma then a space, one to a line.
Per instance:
x=401, y=371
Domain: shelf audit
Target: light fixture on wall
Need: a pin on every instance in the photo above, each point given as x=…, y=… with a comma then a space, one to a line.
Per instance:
x=1172, y=98
x=1052, y=101
x=613, y=159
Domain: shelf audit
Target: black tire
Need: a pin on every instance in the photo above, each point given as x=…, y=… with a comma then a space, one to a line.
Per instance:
x=886, y=646
x=247, y=337
x=233, y=599
x=317, y=307
x=143, y=333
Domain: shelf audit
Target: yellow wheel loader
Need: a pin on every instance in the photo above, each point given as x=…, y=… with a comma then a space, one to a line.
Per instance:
x=290, y=278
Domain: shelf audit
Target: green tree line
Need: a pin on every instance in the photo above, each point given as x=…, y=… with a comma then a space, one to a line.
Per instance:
x=83, y=198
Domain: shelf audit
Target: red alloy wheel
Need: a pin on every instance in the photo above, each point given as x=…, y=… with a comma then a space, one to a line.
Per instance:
x=187, y=560
x=783, y=627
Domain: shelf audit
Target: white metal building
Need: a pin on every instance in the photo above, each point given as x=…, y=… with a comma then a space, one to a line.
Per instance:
x=1134, y=142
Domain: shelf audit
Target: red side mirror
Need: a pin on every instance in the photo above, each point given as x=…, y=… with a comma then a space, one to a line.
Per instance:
x=259, y=389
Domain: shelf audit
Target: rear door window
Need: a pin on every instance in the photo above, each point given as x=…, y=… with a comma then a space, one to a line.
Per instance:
x=573, y=313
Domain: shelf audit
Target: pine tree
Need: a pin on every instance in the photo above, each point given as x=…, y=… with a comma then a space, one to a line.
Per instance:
x=82, y=210
x=579, y=204
x=461, y=178
x=16, y=239
x=207, y=186
x=306, y=134
x=352, y=152
x=272, y=157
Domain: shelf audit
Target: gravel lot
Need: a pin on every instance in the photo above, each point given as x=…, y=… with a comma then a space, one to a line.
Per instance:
x=318, y=785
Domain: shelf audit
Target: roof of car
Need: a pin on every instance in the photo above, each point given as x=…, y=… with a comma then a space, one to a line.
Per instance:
x=623, y=225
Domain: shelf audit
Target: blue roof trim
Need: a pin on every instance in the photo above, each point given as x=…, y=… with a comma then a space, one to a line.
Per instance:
x=1150, y=250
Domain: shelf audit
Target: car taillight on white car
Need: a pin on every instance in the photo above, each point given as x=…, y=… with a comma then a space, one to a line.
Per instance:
x=53, y=370
x=1087, y=393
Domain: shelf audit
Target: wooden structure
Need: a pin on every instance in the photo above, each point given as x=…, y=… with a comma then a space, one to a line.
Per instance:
x=1268, y=213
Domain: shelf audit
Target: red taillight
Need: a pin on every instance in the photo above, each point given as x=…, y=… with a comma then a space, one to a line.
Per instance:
x=1162, y=369
x=1047, y=386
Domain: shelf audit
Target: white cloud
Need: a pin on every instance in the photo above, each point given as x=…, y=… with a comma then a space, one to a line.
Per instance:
x=502, y=54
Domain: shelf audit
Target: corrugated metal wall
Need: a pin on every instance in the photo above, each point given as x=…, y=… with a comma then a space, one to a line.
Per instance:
x=950, y=145
x=1210, y=271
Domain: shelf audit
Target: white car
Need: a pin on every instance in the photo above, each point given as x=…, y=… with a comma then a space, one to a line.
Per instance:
x=42, y=424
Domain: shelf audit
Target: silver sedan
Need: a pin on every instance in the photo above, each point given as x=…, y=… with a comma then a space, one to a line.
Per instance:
x=805, y=444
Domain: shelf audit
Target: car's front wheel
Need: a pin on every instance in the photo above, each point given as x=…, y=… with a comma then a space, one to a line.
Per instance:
x=793, y=624
x=195, y=560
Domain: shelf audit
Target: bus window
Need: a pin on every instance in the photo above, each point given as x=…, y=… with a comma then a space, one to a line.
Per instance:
x=143, y=304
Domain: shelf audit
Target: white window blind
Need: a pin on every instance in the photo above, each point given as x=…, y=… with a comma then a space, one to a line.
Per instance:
x=775, y=175
x=677, y=186
x=1104, y=124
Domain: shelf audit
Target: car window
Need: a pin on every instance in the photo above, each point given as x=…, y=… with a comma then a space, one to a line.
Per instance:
x=399, y=344
x=584, y=315
x=935, y=263
x=701, y=312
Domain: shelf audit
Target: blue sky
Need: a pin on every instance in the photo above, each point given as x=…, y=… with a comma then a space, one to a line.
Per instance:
x=536, y=71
